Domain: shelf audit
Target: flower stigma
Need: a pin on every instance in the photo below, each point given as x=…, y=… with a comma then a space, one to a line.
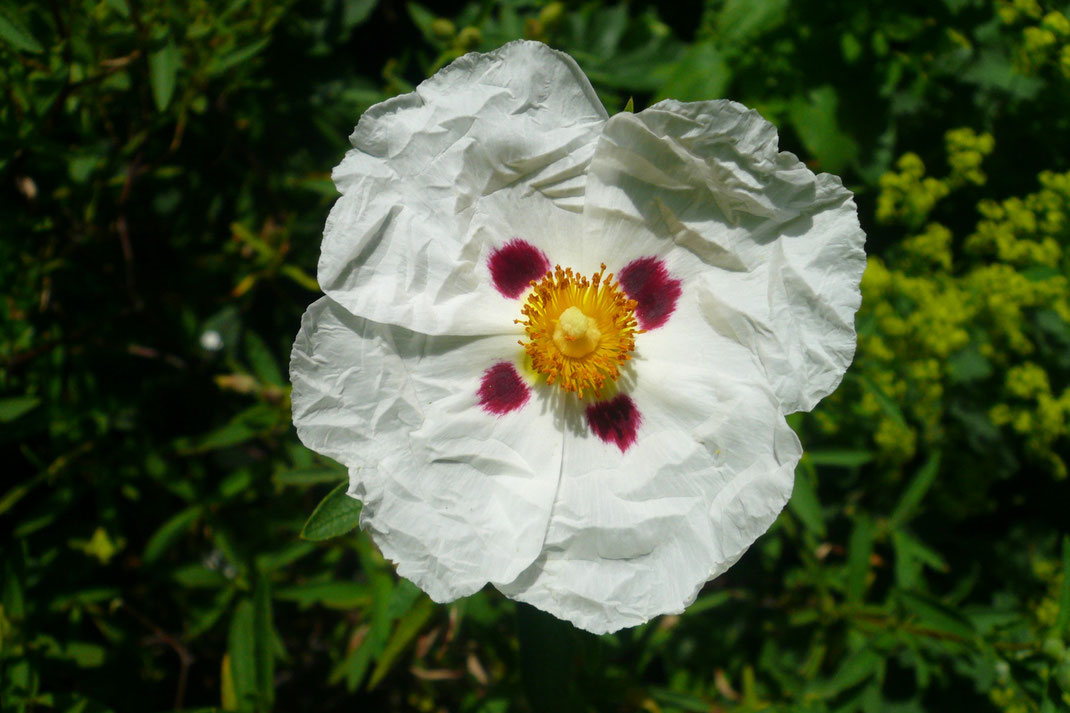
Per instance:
x=580, y=329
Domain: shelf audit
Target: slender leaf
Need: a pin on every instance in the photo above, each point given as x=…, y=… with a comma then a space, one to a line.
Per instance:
x=241, y=646
x=264, y=638
x=839, y=458
x=859, y=550
x=804, y=502
x=238, y=56
x=163, y=71
x=548, y=650
x=15, y=33
x=1063, y=617
x=336, y=515
x=935, y=615
x=262, y=360
x=169, y=532
x=17, y=406
x=742, y=20
x=915, y=492
x=408, y=627
x=309, y=476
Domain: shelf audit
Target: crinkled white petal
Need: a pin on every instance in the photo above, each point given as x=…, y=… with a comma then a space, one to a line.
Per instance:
x=457, y=497
x=494, y=146
x=636, y=534
x=776, y=250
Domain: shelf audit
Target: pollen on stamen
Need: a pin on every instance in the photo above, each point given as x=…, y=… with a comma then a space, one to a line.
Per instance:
x=585, y=352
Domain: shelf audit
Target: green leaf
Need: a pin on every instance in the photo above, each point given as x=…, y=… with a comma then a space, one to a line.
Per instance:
x=11, y=592
x=410, y=625
x=354, y=12
x=910, y=555
x=968, y=365
x=856, y=668
x=936, y=615
x=677, y=700
x=16, y=406
x=889, y=407
x=839, y=458
x=548, y=660
x=742, y=20
x=336, y=515
x=264, y=638
x=630, y=106
x=241, y=645
x=334, y=595
x=709, y=601
x=814, y=118
x=1063, y=617
x=238, y=56
x=297, y=274
x=804, y=503
x=423, y=19
x=245, y=426
x=163, y=70
x=859, y=549
x=15, y=33
x=915, y=492
x=702, y=73
x=309, y=476
x=262, y=360
x=168, y=532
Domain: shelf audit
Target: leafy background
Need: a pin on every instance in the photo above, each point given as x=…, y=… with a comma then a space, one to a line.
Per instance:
x=164, y=177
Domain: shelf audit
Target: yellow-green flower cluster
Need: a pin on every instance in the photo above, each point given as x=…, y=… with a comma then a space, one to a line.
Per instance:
x=907, y=195
x=1035, y=412
x=918, y=321
x=1012, y=11
x=1002, y=295
x=928, y=311
x=1026, y=231
x=966, y=149
x=1045, y=38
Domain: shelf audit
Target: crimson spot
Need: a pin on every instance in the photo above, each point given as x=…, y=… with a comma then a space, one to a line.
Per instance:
x=615, y=421
x=502, y=390
x=646, y=281
x=514, y=265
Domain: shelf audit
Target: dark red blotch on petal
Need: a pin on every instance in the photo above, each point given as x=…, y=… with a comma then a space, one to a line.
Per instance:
x=514, y=265
x=615, y=421
x=648, y=283
x=502, y=390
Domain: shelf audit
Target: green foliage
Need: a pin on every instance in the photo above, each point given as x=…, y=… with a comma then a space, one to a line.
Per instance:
x=166, y=176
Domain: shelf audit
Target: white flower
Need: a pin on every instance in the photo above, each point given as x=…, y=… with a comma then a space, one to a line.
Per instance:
x=740, y=264
x=211, y=340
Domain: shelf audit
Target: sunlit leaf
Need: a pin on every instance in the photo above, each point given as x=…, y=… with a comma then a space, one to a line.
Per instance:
x=163, y=72
x=336, y=515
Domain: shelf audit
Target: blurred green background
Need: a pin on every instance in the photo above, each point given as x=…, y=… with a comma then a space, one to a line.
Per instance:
x=164, y=180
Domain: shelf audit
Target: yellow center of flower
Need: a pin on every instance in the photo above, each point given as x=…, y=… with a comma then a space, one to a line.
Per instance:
x=580, y=330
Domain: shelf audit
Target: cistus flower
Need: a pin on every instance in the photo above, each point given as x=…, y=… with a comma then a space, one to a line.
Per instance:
x=557, y=347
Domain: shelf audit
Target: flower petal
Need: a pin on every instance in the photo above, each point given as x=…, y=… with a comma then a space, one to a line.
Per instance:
x=457, y=496
x=491, y=148
x=635, y=533
x=785, y=245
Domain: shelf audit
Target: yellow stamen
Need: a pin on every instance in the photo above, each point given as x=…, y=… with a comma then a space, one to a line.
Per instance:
x=580, y=330
x=576, y=334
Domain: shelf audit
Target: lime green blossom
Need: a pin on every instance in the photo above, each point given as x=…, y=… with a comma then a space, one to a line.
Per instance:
x=1057, y=23
x=924, y=306
x=907, y=195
